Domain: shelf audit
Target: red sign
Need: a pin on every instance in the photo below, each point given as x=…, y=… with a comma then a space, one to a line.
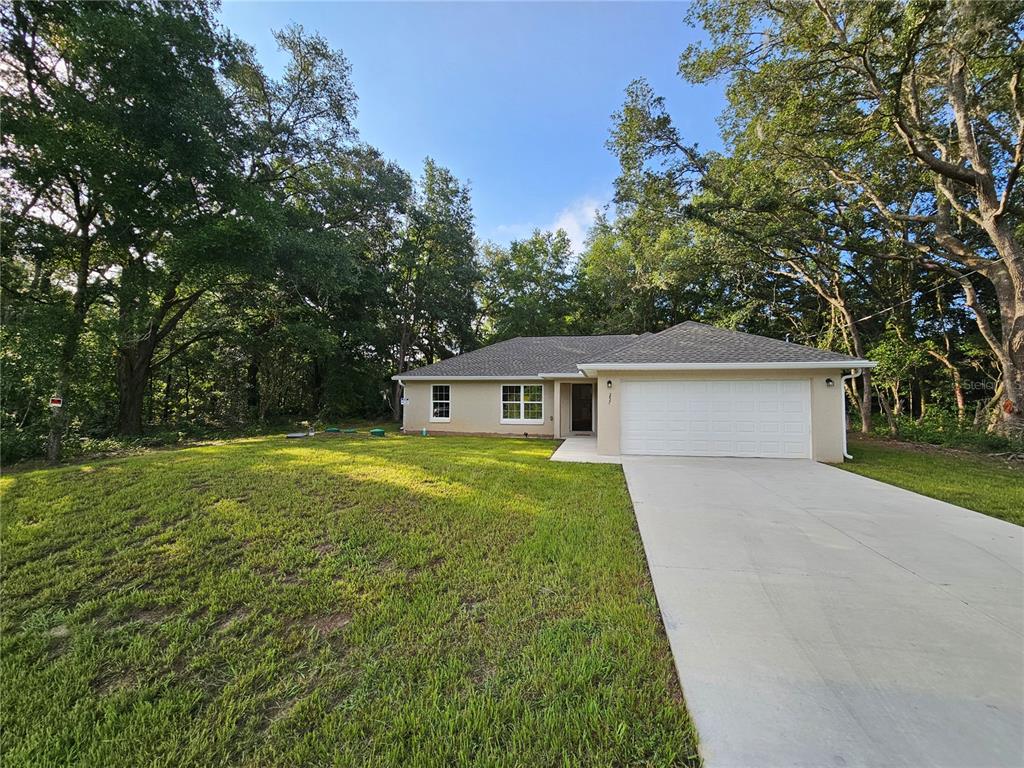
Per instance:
x=56, y=402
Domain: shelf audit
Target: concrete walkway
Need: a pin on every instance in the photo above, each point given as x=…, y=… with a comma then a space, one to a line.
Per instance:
x=818, y=618
x=582, y=449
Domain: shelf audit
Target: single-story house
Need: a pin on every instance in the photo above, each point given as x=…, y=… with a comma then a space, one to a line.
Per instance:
x=690, y=390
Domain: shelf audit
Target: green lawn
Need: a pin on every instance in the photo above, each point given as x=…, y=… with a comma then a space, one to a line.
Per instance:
x=334, y=601
x=977, y=482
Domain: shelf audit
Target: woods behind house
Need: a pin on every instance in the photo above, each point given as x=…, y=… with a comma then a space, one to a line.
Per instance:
x=189, y=242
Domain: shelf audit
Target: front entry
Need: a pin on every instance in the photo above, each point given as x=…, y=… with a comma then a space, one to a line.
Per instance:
x=582, y=407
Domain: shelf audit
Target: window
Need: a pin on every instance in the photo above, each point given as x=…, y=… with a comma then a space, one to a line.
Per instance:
x=522, y=404
x=440, y=402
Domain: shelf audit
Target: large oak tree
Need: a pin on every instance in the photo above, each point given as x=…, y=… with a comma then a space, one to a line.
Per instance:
x=914, y=111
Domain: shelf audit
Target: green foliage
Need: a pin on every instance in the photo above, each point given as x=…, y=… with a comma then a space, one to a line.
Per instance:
x=836, y=215
x=888, y=131
x=526, y=288
x=939, y=426
x=206, y=243
x=896, y=359
x=433, y=274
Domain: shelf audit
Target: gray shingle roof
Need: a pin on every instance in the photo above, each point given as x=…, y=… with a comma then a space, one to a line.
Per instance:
x=524, y=356
x=695, y=343
x=688, y=343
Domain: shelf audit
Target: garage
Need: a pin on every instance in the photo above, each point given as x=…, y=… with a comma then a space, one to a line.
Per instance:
x=769, y=418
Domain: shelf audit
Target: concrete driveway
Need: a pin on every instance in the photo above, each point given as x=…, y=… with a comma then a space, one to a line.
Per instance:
x=819, y=618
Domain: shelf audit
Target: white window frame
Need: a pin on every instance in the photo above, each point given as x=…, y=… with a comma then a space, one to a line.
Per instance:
x=434, y=401
x=522, y=404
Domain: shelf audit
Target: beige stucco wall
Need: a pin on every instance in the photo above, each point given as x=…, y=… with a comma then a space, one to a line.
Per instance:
x=826, y=404
x=475, y=408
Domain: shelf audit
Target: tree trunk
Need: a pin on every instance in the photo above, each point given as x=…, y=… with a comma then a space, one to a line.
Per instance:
x=58, y=425
x=1010, y=292
x=958, y=387
x=252, y=379
x=168, y=392
x=1008, y=351
x=139, y=338
x=316, y=375
x=889, y=417
x=865, y=402
x=188, y=393
x=404, y=344
x=853, y=394
x=1007, y=274
x=958, y=393
x=59, y=416
x=857, y=343
x=133, y=370
x=983, y=411
x=69, y=348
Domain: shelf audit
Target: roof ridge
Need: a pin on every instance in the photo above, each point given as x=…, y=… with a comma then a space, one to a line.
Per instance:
x=573, y=336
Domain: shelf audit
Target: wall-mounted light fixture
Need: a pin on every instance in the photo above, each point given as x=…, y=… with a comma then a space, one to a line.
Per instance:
x=829, y=383
x=609, y=384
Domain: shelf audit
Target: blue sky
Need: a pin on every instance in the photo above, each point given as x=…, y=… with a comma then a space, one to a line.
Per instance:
x=516, y=98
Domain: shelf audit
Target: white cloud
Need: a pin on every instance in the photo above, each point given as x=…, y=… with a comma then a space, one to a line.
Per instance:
x=576, y=218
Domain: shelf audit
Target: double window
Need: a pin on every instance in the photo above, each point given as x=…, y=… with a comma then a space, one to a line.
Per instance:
x=522, y=404
x=440, y=402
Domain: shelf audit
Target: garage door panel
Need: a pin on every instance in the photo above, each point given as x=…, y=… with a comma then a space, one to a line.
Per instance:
x=769, y=418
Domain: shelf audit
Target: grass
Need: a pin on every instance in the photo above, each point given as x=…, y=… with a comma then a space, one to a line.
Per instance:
x=987, y=485
x=31, y=454
x=332, y=601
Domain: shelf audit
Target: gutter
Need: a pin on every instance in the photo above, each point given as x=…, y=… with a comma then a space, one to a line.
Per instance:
x=567, y=375
x=409, y=376
x=848, y=377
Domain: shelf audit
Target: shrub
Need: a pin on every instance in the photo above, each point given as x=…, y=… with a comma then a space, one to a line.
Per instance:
x=940, y=427
x=18, y=443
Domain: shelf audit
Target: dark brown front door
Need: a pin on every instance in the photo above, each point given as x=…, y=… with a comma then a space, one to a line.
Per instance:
x=582, y=407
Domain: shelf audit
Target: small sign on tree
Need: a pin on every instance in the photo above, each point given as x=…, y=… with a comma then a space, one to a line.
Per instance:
x=56, y=402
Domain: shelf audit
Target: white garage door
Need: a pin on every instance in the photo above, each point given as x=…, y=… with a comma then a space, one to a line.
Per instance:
x=723, y=417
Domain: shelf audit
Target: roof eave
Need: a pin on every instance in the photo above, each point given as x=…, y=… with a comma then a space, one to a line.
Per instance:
x=441, y=377
x=565, y=375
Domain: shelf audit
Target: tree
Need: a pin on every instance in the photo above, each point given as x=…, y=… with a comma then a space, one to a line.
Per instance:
x=913, y=109
x=431, y=278
x=115, y=126
x=231, y=224
x=526, y=287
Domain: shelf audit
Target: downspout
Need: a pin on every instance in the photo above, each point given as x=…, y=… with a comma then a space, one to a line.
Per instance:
x=401, y=405
x=842, y=383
